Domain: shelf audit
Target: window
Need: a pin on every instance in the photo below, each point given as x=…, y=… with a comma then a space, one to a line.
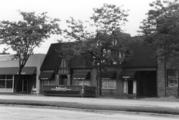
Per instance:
x=63, y=80
x=172, y=78
x=2, y=83
x=6, y=81
x=109, y=80
x=81, y=77
x=108, y=83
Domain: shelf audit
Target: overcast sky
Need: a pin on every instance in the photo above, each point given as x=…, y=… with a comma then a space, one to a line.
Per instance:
x=79, y=9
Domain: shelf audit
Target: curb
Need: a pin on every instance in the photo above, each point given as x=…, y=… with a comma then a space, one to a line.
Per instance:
x=146, y=109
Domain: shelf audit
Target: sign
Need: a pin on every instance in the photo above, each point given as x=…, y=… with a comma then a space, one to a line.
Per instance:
x=126, y=77
x=60, y=89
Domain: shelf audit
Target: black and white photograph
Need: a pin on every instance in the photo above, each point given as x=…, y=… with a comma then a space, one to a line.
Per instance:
x=89, y=60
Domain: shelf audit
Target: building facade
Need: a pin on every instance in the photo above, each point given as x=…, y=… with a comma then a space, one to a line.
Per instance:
x=30, y=74
x=136, y=77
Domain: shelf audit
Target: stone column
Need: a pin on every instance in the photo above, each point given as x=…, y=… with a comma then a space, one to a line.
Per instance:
x=68, y=80
x=57, y=79
x=93, y=77
x=13, y=83
x=125, y=88
x=119, y=83
x=161, y=79
x=134, y=87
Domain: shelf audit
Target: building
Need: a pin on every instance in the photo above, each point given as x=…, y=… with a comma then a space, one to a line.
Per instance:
x=30, y=74
x=140, y=71
x=140, y=75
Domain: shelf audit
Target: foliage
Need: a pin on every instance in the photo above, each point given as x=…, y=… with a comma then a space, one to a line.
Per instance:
x=161, y=27
x=75, y=31
x=109, y=18
x=107, y=46
x=24, y=35
x=109, y=49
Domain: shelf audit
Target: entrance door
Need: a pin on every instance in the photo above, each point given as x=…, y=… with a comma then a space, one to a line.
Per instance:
x=63, y=80
x=130, y=87
x=25, y=84
x=146, y=84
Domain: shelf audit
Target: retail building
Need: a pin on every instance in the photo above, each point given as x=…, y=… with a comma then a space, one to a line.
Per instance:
x=29, y=82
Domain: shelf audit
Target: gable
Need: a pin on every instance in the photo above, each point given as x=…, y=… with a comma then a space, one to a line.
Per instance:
x=53, y=58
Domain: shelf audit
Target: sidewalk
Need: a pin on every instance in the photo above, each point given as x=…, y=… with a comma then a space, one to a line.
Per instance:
x=135, y=105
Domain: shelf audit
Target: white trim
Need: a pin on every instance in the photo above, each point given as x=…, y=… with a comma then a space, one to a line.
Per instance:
x=134, y=87
x=13, y=87
x=125, y=88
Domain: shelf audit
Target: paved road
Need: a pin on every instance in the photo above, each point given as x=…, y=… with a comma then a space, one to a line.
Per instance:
x=31, y=113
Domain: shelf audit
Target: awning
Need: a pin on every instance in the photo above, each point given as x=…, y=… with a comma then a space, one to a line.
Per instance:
x=108, y=74
x=14, y=71
x=46, y=75
x=81, y=74
x=128, y=74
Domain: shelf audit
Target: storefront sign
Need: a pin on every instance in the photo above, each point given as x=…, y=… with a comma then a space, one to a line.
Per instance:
x=60, y=89
x=126, y=77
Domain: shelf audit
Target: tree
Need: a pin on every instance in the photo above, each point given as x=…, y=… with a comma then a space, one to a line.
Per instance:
x=109, y=18
x=108, y=21
x=106, y=46
x=161, y=29
x=76, y=30
x=108, y=50
x=25, y=35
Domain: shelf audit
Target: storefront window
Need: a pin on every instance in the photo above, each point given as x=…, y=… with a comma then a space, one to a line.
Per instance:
x=2, y=83
x=108, y=83
x=81, y=78
x=109, y=80
x=172, y=78
x=2, y=77
x=9, y=77
x=6, y=81
x=9, y=84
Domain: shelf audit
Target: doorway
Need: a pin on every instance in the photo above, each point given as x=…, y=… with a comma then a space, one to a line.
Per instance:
x=25, y=83
x=146, y=83
x=130, y=86
x=63, y=80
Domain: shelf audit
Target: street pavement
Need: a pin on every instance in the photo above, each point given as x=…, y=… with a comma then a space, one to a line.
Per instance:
x=134, y=105
x=33, y=113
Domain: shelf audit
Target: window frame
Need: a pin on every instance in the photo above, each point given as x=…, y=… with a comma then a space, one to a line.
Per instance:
x=6, y=79
x=172, y=75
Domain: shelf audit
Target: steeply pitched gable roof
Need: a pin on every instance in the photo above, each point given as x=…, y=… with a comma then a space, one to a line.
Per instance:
x=53, y=59
x=141, y=56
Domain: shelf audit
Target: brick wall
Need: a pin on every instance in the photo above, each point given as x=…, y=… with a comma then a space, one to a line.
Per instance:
x=172, y=91
x=162, y=89
x=161, y=82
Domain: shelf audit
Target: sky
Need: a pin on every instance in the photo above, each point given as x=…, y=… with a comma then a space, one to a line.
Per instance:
x=79, y=9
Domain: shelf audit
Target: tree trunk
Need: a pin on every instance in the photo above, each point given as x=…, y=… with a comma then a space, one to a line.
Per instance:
x=99, y=81
x=165, y=72
x=18, y=85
